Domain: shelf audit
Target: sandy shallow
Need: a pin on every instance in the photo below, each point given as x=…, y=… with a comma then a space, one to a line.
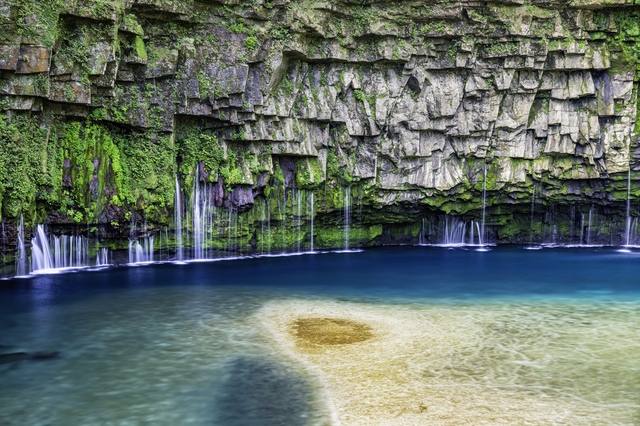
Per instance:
x=538, y=363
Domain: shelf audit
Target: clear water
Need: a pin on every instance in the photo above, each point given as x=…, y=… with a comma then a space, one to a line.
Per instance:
x=508, y=336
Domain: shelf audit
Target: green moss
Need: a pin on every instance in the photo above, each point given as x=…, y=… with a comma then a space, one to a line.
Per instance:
x=139, y=46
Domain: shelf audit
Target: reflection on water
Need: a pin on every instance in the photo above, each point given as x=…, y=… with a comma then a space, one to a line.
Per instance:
x=503, y=337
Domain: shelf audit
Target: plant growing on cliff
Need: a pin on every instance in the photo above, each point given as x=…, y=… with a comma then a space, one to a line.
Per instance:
x=627, y=39
x=251, y=43
x=335, y=169
x=370, y=100
x=453, y=49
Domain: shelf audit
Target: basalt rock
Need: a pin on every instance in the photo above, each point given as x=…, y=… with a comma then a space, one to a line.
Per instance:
x=105, y=103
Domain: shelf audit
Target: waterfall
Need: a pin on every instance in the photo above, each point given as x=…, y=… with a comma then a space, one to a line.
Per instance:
x=421, y=236
x=40, y=251
x=628, y=206
x=581, y=228
x=299, y=201
x=283, y=215
x=21, y=263
x=312, y=215
x=471, y=234
x=177, y=216
x=229, y=233
x=347, y=216
x=198, y=248
x=68, y=251
x=232, y=231
x=589, y=228
x=262, y=228
x=455, y=230
x=484, y=205
x=101, y=257
x=139, y=253
x=269, y=225
x=203, y=213
x=533, y=210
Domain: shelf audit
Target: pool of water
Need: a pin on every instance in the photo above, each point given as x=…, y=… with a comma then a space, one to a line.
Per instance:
x=453, y=336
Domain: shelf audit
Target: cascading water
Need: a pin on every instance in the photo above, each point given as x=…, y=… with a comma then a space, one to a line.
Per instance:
x=589, y=228
x=262, y=229
x=484, y=206
x=347, y=216
x=283, y=215
x=198, y=247
x=21, y=262
x=204, y=215
x=140, y=253
x=68, y=251
x=40, y=252
x=102, y=257
x=471, y=234
x=177, y=217
x=628, y=228
x=269, y=226
x=312, y=216
x=455, y=230
x=533, y=210
x=298, y=200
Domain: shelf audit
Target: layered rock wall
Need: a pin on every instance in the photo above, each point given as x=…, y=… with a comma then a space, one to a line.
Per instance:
x=105, y=103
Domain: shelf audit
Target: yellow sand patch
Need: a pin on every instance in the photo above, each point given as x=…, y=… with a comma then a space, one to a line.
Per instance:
x=329, y=331
x=465, y=365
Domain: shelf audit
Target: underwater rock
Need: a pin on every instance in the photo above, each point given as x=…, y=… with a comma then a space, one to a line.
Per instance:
x=13, y=357
x=45, y=354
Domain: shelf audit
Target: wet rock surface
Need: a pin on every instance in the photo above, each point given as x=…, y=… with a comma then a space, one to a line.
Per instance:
x=408, y=101
x=13, y=357
x=45, y=355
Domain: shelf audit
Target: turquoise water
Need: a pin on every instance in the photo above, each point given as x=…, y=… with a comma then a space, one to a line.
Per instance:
x=508, y=336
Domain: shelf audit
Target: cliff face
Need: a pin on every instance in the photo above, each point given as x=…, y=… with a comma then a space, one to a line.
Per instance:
x=412, y=107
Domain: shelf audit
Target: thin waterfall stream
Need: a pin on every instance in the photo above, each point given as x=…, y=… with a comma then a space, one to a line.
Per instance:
x=481, y=237
x=21, y=263
x=177, y=215
x=628, y=224
x=347, y=215
x=533, y=210
x=312, y=216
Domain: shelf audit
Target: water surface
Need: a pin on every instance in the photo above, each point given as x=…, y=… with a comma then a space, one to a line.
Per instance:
x=507, y=336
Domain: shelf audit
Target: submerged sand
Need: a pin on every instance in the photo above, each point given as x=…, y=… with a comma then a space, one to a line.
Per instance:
x=544, y=363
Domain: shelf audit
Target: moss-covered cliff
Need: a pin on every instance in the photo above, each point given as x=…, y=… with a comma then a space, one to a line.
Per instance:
x=106, y=102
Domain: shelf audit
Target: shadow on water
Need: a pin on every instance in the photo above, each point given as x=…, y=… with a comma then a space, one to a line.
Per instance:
x=258, y=391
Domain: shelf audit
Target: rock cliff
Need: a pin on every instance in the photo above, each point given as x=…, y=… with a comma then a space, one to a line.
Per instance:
x=400, y=110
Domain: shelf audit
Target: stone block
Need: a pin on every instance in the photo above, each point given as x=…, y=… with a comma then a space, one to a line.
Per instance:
x=9, y=57
x=72, y=92
x=33, y=59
